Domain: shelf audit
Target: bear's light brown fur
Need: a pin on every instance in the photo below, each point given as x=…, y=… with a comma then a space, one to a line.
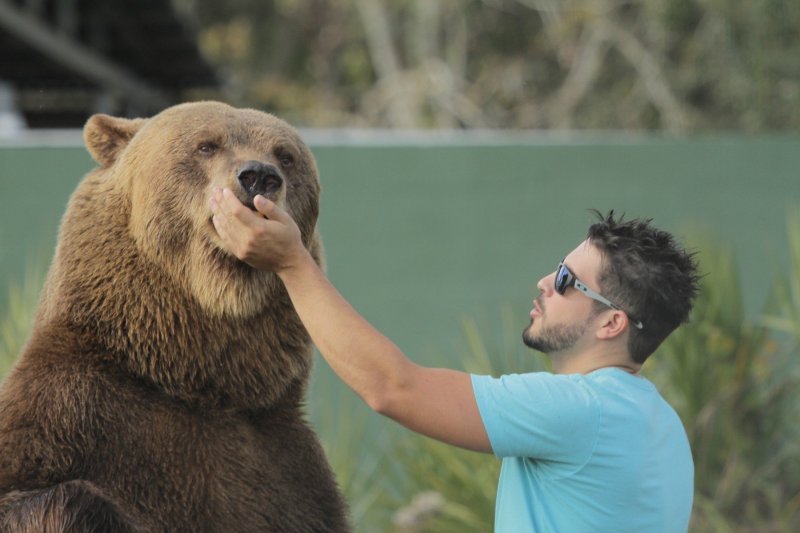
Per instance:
x=163, y=382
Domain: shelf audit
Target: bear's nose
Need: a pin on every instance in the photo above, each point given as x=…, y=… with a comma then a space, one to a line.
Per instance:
x=256, y=177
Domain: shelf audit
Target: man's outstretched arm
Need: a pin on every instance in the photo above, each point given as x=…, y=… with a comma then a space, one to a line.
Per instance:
x=439, y=403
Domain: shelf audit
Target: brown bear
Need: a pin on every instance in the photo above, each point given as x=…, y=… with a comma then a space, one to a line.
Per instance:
x=162, y=387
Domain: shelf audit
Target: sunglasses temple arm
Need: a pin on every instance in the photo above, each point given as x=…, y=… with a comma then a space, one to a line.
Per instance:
x=602, y=299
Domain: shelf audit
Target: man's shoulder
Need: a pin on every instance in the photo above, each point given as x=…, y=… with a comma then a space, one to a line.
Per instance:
x=536, y=383
x=537, y=395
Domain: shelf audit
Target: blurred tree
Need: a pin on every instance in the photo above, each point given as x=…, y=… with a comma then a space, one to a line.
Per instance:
x=671, y=65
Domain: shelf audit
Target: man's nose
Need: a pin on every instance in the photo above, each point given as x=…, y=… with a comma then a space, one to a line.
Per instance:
x=546, y=283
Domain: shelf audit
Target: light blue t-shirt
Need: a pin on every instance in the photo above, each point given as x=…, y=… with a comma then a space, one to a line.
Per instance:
x=586, y=453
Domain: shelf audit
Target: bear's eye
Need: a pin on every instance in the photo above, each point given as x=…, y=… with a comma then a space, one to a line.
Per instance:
x=286, y=159
x=207, y=147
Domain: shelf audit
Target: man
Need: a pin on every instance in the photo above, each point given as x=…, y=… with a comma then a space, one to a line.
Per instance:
x=592, y=447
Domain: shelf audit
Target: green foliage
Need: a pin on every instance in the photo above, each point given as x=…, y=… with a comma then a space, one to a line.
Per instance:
x=15, y=321
x=736, y=388
x=673, y=65
x=357, y=443
x=785, y=316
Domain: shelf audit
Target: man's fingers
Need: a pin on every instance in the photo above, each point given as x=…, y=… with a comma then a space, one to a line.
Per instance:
x=229, y=217
x=233, y=207
x=221, y=225
x=271, y=210
x=223, y=201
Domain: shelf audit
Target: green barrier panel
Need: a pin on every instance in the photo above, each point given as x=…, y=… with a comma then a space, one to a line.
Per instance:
x=418, y=237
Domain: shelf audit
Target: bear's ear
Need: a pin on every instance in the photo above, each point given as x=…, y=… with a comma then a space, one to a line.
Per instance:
x=106, y=136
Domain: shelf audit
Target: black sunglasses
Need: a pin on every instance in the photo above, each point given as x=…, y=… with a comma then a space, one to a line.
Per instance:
x=565, y=279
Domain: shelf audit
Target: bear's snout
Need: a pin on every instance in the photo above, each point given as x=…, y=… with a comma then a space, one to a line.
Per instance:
x=256, y=177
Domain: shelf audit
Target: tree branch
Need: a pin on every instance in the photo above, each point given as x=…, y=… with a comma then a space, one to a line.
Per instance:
x=560, y=109
x=673, y=114
x=386, y=63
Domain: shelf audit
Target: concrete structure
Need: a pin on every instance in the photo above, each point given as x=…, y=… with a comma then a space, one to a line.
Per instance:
x=61, y=60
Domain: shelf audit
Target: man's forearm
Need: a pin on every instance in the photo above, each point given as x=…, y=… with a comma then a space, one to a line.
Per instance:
x=366, y=360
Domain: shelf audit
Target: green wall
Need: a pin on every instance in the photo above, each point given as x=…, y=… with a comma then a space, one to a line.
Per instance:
x=421, y=234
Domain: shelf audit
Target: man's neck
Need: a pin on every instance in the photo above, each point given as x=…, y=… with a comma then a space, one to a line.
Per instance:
x=586, y=362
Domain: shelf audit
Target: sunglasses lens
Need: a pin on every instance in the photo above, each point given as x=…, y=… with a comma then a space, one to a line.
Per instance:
x=562, y=279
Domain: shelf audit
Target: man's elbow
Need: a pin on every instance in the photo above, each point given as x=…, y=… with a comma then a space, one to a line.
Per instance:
x=391, y=396
x=382, y=400
x=378, y=403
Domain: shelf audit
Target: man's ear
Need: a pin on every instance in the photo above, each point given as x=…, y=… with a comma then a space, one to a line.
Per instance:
x=613, y=324
x=106, y=136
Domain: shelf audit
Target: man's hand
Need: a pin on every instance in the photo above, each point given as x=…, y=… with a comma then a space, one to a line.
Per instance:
x=272, y=243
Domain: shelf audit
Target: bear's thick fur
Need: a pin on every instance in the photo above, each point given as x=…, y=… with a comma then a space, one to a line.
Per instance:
x=163, y=383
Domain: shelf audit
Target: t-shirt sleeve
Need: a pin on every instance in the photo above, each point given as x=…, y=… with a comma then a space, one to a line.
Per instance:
x=538, y=415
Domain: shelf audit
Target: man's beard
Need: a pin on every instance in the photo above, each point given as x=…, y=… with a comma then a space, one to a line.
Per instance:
x=554, y=338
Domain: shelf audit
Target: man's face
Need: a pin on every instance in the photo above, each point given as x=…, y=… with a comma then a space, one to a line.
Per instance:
x=559, y=322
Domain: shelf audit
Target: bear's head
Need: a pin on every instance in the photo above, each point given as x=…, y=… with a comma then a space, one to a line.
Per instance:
x=166, y=166
x=141, y=276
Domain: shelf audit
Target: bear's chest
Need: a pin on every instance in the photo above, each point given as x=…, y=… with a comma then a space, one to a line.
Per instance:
x=215, y=470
